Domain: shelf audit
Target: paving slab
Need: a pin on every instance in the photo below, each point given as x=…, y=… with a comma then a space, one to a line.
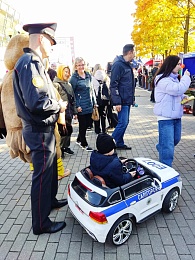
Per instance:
x=162, y=237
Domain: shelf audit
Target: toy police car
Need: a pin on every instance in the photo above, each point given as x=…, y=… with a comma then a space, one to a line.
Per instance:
x=108, y=214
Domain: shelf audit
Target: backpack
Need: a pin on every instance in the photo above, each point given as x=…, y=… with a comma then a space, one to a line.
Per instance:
x=103, y=94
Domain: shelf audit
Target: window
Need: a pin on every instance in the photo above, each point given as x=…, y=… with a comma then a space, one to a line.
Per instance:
x=87, y=194
x=141, y=185
x=115, y=197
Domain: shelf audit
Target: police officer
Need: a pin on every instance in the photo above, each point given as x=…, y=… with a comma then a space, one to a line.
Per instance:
x=39, y=110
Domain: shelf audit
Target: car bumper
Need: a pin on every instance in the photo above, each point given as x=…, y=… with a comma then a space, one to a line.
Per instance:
x=97, y=231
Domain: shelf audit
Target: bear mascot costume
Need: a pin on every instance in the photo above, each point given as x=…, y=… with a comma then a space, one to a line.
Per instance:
x=10, y=123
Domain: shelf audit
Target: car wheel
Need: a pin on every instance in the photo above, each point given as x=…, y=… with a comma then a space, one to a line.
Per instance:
x=170, y=201
x=120, y=231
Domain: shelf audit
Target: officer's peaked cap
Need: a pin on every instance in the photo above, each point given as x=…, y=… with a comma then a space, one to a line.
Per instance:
x=43, y=28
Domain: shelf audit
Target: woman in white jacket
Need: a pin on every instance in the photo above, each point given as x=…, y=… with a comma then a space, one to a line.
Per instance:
x=101, y=83
x=169, y=92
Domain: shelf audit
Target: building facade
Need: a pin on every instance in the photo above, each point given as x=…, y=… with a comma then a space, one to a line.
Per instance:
x=9, y=22
x=63, y=52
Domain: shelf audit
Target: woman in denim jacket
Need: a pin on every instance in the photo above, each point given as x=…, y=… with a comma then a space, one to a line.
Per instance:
x=169, y=92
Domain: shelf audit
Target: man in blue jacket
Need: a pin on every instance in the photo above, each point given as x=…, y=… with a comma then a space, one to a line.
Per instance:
x=122, y=89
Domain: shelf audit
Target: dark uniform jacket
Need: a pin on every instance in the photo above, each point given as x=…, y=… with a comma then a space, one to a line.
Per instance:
x=84, y=92
x=110, y=168
x=35, y=98
x=122, y=85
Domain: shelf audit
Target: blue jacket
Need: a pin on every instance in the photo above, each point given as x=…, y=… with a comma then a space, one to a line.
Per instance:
x=34, y=92
x=122, y=85
x=110, y=168
x=169, y=93
x=84, y=92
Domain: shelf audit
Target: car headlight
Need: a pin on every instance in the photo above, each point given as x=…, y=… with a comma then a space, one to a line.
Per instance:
x=179, y=178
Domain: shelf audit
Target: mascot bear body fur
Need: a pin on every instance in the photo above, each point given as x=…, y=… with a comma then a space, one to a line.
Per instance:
x=8, y=114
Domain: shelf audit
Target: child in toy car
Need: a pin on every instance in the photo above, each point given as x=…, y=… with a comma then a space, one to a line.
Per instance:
x=105, y=163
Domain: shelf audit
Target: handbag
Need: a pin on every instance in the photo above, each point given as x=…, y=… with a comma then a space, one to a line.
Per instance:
x=62, y=124
x=95, y=114
x=62, y=130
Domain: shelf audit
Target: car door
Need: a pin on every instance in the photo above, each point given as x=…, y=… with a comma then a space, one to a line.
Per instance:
x=144, y=197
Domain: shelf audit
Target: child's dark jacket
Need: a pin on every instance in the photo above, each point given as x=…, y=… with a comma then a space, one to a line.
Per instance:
x=110, y=168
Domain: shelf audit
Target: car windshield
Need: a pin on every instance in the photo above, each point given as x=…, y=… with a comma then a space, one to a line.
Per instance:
x=87, y=194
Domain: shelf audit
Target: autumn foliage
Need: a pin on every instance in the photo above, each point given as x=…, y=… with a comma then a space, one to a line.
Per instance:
x=164, y=27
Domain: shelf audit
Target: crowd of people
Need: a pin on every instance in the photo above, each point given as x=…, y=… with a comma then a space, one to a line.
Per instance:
x=111, y=90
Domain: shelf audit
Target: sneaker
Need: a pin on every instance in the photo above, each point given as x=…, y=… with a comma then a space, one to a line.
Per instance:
x=79, y=143
x=67, y=172
x=87, y=148
x=89, y=129
x=110, y=129
x=68, y=151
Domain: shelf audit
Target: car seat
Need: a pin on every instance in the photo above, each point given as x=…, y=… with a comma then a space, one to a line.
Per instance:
x=97, y=180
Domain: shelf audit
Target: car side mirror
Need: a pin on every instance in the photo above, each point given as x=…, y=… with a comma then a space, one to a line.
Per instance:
x=157, y=184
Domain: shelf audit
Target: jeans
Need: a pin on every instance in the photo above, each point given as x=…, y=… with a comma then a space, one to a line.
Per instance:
x=123, y=121
x=169, y=137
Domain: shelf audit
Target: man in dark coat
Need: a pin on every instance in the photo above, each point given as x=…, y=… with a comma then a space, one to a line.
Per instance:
x=153, y=71
x=122, y=89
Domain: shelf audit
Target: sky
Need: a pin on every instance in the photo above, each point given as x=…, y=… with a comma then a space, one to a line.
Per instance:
x=100, y=28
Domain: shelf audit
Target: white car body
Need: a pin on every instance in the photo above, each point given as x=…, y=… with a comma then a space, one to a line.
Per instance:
x=137, y=204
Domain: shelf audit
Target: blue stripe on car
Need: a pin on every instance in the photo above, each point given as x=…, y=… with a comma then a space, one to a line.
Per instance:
x=142, y=195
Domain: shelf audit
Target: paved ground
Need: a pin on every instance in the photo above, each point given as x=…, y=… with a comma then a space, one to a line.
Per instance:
x=165, y=236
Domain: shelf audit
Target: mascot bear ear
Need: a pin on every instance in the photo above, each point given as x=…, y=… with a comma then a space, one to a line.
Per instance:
x=14, y=50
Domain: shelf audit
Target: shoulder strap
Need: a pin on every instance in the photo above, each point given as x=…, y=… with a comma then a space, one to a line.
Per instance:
x=68, y=94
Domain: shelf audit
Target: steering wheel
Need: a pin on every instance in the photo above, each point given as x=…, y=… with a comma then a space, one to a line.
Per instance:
x=130, y=165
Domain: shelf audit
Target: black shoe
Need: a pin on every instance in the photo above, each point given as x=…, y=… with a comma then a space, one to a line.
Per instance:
x=68, y=151
x=62, y=155
x=124, y=147
x=59, y=204
x=55, y=227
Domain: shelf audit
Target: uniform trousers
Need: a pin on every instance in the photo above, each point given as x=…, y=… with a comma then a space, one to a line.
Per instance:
x=42, y=143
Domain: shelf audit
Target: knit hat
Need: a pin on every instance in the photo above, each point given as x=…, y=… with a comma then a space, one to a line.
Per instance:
x=105, y=143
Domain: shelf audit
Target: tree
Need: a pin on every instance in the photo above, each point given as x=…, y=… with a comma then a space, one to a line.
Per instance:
x=163, y=27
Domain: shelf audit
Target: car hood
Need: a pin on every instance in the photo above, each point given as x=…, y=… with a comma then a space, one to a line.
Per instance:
x=162, y=170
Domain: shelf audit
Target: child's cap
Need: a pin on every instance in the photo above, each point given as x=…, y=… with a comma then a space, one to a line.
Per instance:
x=105, y=143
